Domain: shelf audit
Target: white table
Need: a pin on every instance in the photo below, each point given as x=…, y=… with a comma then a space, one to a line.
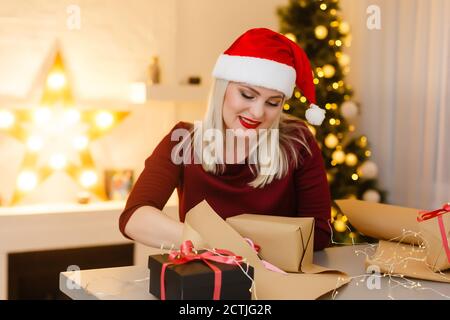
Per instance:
x=133, y=282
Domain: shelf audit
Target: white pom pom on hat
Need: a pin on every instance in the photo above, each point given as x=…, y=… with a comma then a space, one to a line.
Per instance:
x=266, y=58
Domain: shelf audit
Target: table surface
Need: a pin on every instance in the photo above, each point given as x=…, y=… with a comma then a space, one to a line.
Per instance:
x=133, y=282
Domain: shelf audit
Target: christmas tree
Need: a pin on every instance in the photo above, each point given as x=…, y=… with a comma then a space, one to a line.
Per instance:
x=317, y=27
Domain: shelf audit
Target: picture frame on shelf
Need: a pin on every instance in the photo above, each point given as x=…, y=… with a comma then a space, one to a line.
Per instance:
x=118, y=183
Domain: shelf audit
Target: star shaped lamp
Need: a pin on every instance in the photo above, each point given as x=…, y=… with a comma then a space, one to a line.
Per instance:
x=56, y=135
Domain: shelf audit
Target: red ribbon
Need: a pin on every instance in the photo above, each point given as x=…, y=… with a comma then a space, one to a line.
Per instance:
x=187, y=254
x=424, y=215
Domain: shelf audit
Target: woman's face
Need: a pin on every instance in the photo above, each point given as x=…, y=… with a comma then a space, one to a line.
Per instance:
x=251, y=107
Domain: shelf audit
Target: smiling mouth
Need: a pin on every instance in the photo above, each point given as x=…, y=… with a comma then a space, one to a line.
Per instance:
x=248, y=123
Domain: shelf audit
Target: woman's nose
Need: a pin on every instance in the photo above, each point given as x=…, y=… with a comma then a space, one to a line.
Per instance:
x=257, y=111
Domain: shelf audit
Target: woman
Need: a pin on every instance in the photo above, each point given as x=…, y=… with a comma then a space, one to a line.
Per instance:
x=252, y=81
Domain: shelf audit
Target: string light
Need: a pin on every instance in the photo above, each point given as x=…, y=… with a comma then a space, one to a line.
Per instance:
x=355, y=177
x=286, y=106
x=323, y=6
x=303, y=99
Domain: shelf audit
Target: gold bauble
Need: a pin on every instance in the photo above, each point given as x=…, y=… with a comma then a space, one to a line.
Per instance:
x=344, y=60
x=328, y=71
x=344, y=27
x=291, y=36
x=321, y=32
x=331, y=141
x=351, y=159
x=338, y=156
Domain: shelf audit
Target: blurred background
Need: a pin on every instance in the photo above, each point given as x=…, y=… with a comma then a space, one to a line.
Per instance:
x=88, y=88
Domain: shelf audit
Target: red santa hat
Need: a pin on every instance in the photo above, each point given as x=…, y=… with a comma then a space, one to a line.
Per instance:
x=266, y=58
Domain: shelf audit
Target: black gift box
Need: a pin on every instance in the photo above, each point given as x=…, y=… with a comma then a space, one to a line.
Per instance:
x=194, y=280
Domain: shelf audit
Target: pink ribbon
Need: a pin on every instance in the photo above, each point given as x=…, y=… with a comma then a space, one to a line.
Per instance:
x=187, y=254
x=266, y=264
x=426, y=215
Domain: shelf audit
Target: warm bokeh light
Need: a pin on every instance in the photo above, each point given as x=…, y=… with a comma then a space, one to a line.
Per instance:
x=321, y=32
x=56, y=80
x=27, y=181
x=72, y=116
x=291, y=37
x=338, y=156
x=340, y=226
x=331, y=141
x=35, y=143
x=80, y=142
x=42, y=115
x=88, y=178
x=351, y=159
x=7, y=119
x=58, y=161
x=104, y=119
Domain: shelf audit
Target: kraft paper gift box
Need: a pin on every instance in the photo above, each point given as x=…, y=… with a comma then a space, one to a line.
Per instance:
x=195, y=280
x=400, y=250
x=435, y=232
x=217, y=233
x=286, y=242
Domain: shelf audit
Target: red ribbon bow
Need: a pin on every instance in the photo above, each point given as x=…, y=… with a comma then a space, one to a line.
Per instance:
x=187, y=254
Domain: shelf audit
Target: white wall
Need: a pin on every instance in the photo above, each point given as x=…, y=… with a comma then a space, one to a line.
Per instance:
x=110, y=50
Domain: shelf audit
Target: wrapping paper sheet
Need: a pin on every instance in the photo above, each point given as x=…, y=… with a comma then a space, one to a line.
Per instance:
x=268, y=284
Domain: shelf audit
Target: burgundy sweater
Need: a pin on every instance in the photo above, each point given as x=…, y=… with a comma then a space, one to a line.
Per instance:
x=303, y=192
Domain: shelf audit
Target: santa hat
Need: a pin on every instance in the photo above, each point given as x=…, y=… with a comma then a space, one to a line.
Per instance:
x=265, y=58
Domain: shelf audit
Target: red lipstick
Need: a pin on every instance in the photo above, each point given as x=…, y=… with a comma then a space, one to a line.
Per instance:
x=249, y=123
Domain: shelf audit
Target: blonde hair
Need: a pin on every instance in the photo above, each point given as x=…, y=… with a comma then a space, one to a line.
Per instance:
x=284, y=145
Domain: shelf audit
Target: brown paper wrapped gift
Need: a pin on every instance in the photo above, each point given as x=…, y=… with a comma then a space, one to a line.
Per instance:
x=403, y=253
x=435, y=231
x=382, y=221
x=286, y=242
x=268, y=284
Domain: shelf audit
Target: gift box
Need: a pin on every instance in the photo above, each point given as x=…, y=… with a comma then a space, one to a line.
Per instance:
x=195, y=280
x=286, y=242
x=435, y=231
x=412, y=243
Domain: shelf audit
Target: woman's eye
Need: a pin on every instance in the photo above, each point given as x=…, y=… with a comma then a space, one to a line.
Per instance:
x=245, y=96
x=272, y=104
